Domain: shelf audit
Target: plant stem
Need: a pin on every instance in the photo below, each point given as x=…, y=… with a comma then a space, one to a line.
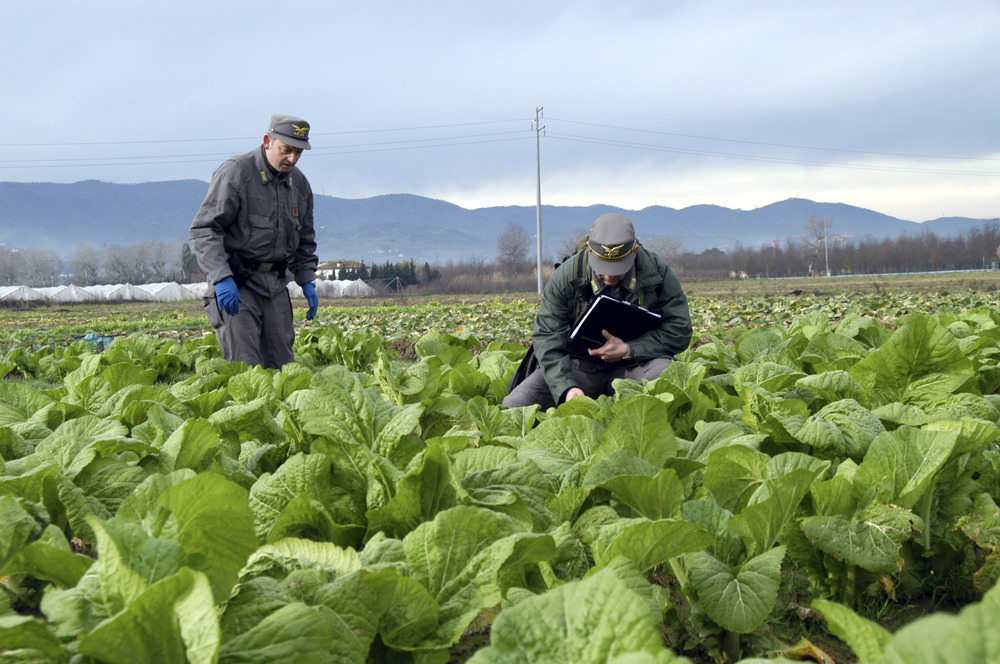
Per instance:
x=680, y=573
x=850, y=581
x=731, y=645
x=924, y=510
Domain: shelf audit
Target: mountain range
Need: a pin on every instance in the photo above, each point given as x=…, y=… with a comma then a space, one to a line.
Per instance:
x=392, y=227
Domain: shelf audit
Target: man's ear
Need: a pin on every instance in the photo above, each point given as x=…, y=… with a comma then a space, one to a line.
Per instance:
x=267, y=141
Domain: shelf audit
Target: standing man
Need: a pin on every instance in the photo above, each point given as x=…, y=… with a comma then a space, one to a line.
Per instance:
x=253, y=230
x=612, y=263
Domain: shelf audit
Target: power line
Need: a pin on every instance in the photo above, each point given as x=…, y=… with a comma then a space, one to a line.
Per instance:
x=761, y=158
x=250, y=138
x=335, y=151
x=777, y=145
x=426, y=141
x=86, y=161
x=356, y=148
x=84, y=144
x=479, y=138
x=418, y=128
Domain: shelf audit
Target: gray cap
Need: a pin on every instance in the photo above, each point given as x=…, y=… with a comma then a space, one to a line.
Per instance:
x=290, y=129
x=611, y=244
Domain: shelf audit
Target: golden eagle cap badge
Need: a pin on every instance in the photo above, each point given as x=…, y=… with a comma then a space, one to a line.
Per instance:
x=615, y=253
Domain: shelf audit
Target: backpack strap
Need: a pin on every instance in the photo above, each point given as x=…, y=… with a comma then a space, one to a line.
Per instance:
x=581, y=272
x=655, y=259
x=580, y=264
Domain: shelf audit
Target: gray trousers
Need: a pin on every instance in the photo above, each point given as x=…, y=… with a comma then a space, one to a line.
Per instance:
x=261, y=333
x=592, y=377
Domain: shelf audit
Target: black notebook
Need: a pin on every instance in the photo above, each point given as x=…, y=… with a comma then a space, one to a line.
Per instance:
x=625, y=320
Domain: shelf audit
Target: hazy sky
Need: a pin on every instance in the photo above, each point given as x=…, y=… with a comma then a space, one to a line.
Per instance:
x=890, y=104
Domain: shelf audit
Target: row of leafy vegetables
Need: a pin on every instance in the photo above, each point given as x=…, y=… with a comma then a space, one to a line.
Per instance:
x=159, y=504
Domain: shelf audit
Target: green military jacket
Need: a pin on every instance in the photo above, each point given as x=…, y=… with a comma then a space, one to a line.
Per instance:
x=569, y=292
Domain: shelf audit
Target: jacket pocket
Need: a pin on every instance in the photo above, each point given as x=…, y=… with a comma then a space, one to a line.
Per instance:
x=211, y=308
x=292, y=236
x=260, y=244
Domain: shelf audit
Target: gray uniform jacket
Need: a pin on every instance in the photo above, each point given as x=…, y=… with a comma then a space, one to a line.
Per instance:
x=259, y=214
x=566, y=296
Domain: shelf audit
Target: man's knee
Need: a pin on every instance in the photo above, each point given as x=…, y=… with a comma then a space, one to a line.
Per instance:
x=651, y=369
x=516, y=399
x=532, y=390
x=236, y=343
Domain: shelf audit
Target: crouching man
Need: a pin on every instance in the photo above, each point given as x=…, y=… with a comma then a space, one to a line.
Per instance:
x=612, y=263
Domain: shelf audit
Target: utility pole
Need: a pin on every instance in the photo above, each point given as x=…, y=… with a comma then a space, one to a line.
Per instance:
x=538, y=186
x=826, y=249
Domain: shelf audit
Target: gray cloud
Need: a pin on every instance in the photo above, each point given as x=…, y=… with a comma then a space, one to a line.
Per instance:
x=885, y=105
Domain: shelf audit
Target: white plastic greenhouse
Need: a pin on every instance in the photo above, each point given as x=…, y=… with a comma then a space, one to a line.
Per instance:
x=160, y=292
x=20, y=294
x=71, y=293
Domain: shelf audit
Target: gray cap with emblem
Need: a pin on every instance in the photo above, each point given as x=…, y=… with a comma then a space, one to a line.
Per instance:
x=611, y=244
x=291, y=130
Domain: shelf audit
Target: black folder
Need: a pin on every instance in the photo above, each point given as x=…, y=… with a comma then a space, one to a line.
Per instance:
x=624, y=320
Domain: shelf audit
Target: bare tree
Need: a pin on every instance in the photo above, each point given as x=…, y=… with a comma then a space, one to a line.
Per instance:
x=10, y=267
x=191, y=269
x=818, y=239
x=817, y=229
x=512, y=248
x=86, y=265
x=175, y=267
x=140, y=262
x=120, y=265
x=666, y=246
x=41, y=267
x=163, y=260
x=571, y=244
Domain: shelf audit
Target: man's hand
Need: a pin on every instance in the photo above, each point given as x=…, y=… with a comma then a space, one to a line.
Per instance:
x=613, y=350
x=309, y=290
x=227, y=296
x=574, y=392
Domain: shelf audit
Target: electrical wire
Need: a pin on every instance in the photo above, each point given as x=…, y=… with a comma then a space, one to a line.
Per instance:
x=349, y=148
x=418, y=128
x=250, y=138
x=409, y=143
x=355, y=148
x=777, y=145
x=447, y=140
x=762, y=158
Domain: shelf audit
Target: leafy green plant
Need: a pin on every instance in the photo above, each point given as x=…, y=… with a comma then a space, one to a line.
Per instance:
x=395, y=505
x=941, y=639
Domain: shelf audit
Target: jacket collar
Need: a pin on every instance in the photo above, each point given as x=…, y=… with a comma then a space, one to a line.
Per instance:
x=266, y=171
x=628, y=282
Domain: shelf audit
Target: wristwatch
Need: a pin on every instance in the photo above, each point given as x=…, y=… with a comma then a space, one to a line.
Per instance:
x=628, y=356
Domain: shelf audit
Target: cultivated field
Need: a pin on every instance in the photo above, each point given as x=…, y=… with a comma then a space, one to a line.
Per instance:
x=34, y=323
x=816, y=478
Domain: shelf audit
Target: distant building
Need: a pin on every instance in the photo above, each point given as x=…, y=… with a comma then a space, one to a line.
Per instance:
x=334, y=269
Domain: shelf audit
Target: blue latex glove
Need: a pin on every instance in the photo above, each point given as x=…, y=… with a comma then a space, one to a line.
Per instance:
x=309, y=290
x=227, y=296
